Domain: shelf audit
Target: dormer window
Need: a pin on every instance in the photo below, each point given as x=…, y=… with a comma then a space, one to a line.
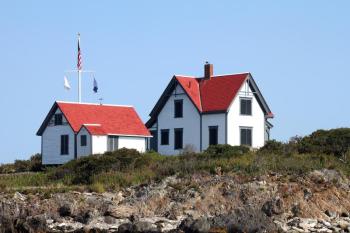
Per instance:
x=246, y=106
x=58, y=119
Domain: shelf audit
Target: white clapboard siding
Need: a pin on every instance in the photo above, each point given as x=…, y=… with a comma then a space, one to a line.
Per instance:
x=51, y=143
x=190, y=122
x=256, y=121
x=84, y=150
x=138, y=143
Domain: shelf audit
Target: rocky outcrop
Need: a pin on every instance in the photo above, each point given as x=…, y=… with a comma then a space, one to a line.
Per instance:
x=318, y=202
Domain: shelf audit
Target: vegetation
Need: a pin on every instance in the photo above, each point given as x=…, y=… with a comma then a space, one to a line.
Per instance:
x=113, y=170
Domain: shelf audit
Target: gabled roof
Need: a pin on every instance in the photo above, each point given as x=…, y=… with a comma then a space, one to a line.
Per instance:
x=94, y=129
x=210, y=95
x=99, y=119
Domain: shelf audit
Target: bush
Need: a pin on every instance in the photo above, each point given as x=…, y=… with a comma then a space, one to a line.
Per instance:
x=31, y=165
x=82, y=170
x=225, y=150
x=36, y=163
x=273, y=147
x=97, y=187
x=334, y=141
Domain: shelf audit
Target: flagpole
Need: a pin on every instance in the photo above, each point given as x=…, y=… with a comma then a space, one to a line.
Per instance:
x=79, y=86
x=79, y=70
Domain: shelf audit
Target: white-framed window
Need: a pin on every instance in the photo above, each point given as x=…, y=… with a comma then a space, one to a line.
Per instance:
x=112, y=143
x=246, y=135
x=246, y=106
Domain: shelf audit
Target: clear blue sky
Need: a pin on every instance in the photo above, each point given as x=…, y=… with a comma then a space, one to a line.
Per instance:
x=298, y=52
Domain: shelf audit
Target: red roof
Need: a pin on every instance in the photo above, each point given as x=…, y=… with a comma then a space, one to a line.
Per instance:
x=103, y=119
x=215, y=94
x=95, y=129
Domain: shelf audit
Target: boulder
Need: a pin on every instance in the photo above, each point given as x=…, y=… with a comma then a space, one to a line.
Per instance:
x=201, y=225
x=331, y=214
x=37, y=223
x=148, y=227
x=125, y=228
x=189, y=225
x=273, y=207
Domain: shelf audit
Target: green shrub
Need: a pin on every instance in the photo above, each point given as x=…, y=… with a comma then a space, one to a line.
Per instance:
x=273, y=147
x=36, y=163
x=225, y=150
x=334, y=141
x=97, y=187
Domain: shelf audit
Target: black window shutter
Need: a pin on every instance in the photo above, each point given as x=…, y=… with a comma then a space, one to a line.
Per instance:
x=178, y=137
x=178, y=108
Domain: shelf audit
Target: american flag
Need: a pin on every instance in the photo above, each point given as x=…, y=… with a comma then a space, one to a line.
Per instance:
x=79, y=64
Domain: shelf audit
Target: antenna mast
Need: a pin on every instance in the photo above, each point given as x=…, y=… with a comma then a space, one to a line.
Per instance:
x=79, y=67
x=79, y=70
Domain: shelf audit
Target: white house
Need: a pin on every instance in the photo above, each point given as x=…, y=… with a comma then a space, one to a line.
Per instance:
x=198, y=112
x=71, y=130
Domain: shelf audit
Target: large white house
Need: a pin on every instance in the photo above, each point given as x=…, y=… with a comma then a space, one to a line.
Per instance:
x=71, y=130
x=198, y=112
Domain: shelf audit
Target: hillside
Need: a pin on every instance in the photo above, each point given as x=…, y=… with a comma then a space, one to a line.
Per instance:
x=298, y=186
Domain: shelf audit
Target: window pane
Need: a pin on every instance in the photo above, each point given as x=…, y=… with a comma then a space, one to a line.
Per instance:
x=249, y=107
x=243, y=136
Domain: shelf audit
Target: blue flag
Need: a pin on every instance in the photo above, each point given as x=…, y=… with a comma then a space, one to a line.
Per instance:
x=95, y=86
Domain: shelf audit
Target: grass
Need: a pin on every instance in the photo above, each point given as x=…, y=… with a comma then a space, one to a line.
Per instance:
x=113, y=171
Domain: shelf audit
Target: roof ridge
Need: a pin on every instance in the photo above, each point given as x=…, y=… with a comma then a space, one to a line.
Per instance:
x=185, y=76
x=230, y=74
x=95, y=104
x=88, y=124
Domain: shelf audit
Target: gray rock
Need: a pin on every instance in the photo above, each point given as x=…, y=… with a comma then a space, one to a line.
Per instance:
x=125, y=228
x=200, y=226
x=331, y=214
x=273, y=207
x=144, y=227
x=37, y=223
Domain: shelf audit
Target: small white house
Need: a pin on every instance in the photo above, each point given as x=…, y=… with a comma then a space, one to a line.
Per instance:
x=198, y=112
x=71, y=130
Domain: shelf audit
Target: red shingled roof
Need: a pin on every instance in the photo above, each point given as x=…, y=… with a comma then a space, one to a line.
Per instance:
x=94, y=129
x=191, y=86
x=103, y=119
x=215, y=94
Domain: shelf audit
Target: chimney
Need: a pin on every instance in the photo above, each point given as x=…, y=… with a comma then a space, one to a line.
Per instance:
x=208, y=70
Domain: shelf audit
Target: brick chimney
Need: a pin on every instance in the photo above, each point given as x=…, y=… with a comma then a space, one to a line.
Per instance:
x=208, y=70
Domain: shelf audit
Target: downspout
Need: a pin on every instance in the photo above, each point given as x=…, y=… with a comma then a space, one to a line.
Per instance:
x=200, y=132
x=226, y=128
x=75, y=146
